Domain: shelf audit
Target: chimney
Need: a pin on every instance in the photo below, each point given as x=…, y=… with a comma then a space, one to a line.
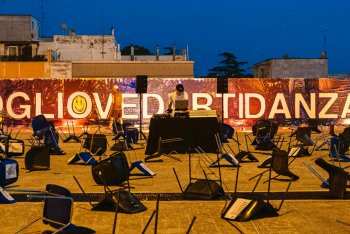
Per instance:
x=174, y=52
x=323, y=55
x=132, y=52
x=157, y=53
x=112, y=29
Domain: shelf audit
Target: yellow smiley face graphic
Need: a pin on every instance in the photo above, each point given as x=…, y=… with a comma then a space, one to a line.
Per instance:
x=79, y=104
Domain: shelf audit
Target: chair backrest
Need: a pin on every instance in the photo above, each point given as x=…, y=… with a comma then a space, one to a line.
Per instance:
x=344, y=143
x=96, y=143
x=303, y=134
x=313, y=124
x=37, y=158
x=227, y=130
x=265, y=128
x=334, y=147
x=57, y=212
x=40, y=125
x=279, y=161
x=114, y=170
x=117, y=127
x=337, y=178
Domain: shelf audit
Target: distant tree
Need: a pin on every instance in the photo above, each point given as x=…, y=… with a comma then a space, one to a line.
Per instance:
x=169, y=51
x=138, y=50
x=230, y=68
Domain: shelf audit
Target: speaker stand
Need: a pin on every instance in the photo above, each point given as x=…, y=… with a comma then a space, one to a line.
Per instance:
x=142, y=135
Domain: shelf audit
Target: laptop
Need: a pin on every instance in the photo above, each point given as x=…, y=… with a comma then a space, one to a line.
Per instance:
x=181, y=105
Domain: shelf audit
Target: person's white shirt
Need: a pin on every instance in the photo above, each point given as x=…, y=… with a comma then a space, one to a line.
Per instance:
x=176, y=96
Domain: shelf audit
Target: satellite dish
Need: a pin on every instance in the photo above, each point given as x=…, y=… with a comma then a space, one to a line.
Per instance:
x=72, y=32
x=63, y=27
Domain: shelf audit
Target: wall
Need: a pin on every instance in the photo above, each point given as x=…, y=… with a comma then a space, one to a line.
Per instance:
x=131, y=69
x=24, y=70
x=299, y=68
x=81, y=48
x=17, y=28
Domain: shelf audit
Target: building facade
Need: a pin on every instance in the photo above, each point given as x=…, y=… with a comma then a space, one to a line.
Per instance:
x=19, y=34
x=292, y=68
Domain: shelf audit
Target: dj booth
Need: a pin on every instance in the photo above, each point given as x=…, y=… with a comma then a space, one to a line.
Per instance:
x=194, y=132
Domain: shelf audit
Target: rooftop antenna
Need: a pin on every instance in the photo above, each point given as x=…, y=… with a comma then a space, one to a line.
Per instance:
x=42, y=16
x=324, y=31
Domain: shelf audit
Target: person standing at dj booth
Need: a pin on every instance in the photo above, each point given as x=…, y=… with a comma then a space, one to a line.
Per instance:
x=116, y=108
x=178, y=94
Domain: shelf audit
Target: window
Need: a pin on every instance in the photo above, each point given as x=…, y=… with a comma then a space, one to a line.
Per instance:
x=13, y=50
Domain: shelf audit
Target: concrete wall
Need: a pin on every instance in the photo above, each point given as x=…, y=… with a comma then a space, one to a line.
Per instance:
x=299, y=68
x=131, y=69
x=81, y=48
x=18, y=28
x=60, y=70
x=292, y=68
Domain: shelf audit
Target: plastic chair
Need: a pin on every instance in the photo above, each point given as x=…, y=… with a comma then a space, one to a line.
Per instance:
x=299, y=145
x=336, y=149
x=58, y=210
x=337, y=178
x=280, y=164
x=45, y=130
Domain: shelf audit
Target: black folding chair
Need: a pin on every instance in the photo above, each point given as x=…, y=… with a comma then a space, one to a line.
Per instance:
x=302, y=140
x=337, y=178
x=45, y=130
x=58, y=210
x=279, y=163
x=264, y=132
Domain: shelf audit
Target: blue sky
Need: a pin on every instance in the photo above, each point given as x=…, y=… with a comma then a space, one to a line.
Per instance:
x=253, y=30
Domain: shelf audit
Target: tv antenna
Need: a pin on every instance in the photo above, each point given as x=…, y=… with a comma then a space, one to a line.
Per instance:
x=42, y=7
x=324, y=31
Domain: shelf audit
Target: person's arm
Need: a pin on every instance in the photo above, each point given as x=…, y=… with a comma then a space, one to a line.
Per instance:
x=170, y=101
x=185, y=95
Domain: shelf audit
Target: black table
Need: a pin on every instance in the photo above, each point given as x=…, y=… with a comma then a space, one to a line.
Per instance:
x=194, y=132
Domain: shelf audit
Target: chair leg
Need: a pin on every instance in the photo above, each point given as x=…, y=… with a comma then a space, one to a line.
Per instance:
x=62, y=228
x=22, y=228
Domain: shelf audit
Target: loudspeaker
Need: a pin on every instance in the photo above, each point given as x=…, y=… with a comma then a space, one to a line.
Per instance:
x=141, y=84
x=222, y=85
x=37, y=158
x=114, y=170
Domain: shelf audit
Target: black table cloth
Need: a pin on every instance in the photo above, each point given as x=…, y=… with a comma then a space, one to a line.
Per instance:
x=194, y=132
